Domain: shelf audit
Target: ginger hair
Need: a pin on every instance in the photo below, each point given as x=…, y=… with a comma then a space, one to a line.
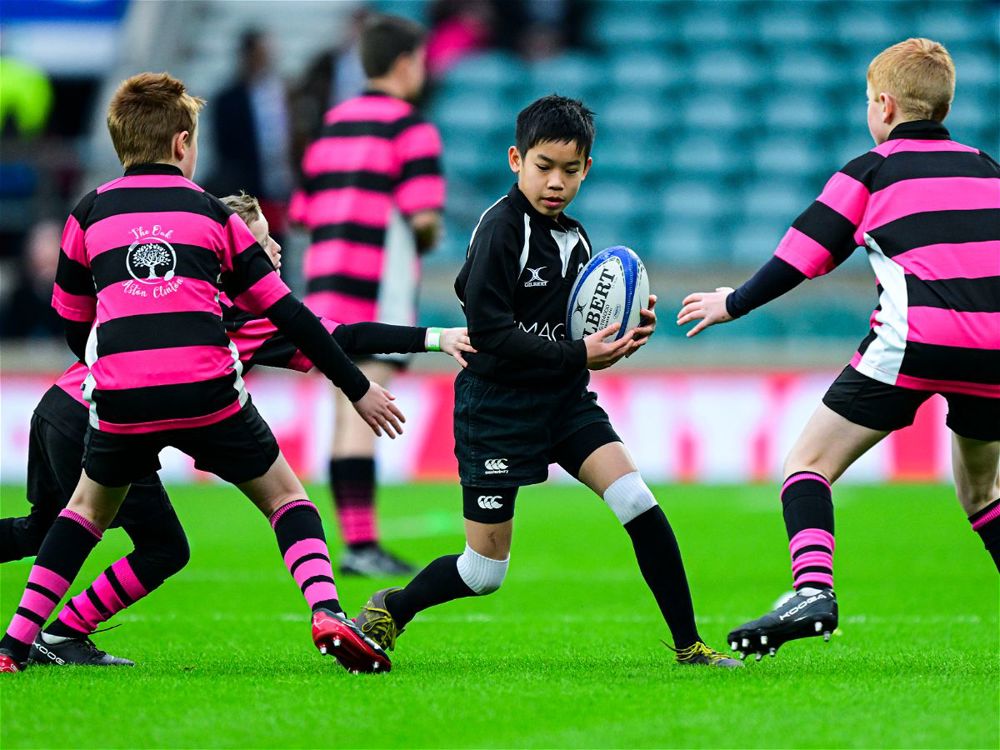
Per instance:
x=919, y=73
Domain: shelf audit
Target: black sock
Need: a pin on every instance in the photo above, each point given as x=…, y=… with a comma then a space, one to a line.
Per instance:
x=986, y=523
x=436, y=584
x=66, y=547
x=807, y=505
x=660, y=561
x=352, y=484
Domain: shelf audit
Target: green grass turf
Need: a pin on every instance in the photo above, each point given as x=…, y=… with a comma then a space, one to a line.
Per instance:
x=566, y=655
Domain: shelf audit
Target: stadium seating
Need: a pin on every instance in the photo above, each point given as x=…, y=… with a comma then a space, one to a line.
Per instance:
x=718, y=122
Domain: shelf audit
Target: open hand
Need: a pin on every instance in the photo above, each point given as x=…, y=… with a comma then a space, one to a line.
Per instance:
x=377, y=409
x=708, y=308
x=454, y=341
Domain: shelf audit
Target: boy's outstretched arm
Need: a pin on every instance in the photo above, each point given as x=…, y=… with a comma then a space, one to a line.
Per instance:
x=819, y=240
x=251, y=282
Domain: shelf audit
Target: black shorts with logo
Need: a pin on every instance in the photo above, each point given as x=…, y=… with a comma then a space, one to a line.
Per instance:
x=237, y=449
x=880, y=406
x=507, y=436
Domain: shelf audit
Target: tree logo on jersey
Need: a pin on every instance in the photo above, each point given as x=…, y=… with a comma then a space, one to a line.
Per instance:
x=536, y=277
x=151, y=260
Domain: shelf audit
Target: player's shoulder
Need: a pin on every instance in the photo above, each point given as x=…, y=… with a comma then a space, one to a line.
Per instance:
x=84, y=207
x=864, y=167
x=216, y=209
x=502, y=219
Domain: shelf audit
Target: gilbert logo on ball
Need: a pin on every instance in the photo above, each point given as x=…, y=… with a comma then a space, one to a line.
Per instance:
x=612, y=288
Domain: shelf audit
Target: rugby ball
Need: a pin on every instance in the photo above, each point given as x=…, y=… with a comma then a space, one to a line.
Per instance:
x=611, y=288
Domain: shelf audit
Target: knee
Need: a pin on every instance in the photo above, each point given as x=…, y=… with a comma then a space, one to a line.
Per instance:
x=168, y=554
x=974, y=495
x=629, y=497
x=484, y=575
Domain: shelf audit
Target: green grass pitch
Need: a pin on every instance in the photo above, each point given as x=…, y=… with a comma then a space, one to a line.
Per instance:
x=567, y=654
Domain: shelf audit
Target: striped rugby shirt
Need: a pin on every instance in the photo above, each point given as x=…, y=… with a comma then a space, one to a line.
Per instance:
x=927, y=211
x=258, y=341
x=141, y=260
x=375, y=163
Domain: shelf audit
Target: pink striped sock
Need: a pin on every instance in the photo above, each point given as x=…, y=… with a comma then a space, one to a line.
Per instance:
x=807, y=505
x=812, y=558
x=114, y=590
x=66, y=546
x=352, y=482
x=302, y=543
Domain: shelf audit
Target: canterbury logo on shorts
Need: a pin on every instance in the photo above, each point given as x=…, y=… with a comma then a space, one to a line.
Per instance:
x=490, y=502
x=496, y=465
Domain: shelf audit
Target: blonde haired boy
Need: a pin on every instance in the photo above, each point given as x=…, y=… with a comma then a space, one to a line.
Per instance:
x=926, y=209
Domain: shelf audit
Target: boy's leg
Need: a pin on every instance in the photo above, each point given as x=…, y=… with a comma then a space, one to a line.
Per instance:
x=976, y=464
x=610, y=472
x=235, y=449
x=352, y=485
x=596, y=457
x=478, y=571
x=161, y=550
x=828, y=445
x=73, y=535
x=302, y=543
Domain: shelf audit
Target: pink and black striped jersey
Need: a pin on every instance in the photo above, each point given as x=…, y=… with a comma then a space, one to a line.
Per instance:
x=927, y=211
x=141, y=260
x=375, y=163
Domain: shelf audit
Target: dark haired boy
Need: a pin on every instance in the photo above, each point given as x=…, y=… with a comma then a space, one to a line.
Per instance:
x=372, y=198
x=523, y=401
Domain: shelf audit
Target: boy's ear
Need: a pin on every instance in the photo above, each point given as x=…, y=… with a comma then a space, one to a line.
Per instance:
x=586, y=168
x=180, y=143
x=514, y=159
x=889, y=106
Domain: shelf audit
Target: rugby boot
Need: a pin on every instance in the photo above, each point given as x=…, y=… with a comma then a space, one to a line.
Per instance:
x=336, y=635
x=808, y=613
x=73, y=651
x=9, y=664
x=699, y=653
x=376, y=622
x=373, y=562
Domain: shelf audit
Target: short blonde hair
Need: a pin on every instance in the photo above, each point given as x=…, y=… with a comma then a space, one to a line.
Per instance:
x=145, y=114
x=246, y=207
x=919, y=73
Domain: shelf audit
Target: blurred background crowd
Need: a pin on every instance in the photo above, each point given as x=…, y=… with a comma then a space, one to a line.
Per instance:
x=718, y=122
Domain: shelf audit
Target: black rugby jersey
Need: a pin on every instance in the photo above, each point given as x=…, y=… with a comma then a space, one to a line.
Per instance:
x=514, y=287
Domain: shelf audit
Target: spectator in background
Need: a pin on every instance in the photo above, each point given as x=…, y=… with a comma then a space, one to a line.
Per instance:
x=251, y=133
x=27, y=312
x=334, y=76
x=540, y=29
x=372, y=198
x=459, y=28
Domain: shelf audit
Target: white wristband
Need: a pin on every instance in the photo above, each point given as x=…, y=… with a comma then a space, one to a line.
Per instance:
x=432, y=341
